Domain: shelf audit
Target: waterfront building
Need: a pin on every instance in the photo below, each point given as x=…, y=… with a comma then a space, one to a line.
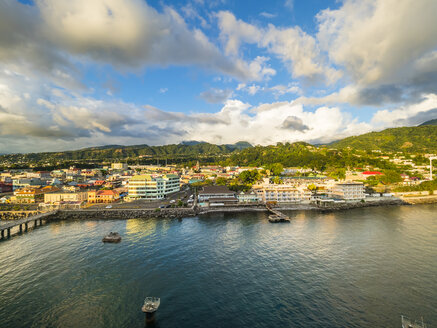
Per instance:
x=282, y=193
x=295, y=192
x=146, y=186
x=62, y=196
x=247, y=196
x=103, y=196
x=216, y=196
x=348, y=191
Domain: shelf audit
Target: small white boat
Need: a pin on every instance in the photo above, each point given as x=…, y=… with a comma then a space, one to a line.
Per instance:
x=408, y=323
x=151, y=304
x=112, y=237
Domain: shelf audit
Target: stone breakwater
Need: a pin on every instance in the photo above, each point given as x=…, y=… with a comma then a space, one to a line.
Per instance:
x=124, y=214
x=16, y=215
x=348, y=206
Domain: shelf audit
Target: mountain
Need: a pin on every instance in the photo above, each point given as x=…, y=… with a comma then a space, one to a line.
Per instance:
x=190, y=142
x=418, y=139
x=189, y=149
x=240, y=145
x=430, y=122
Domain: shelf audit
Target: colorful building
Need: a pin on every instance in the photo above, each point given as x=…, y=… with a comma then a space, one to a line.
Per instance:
x=146, y=186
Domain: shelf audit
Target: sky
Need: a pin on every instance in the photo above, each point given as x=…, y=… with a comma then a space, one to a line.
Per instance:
x=80, y=73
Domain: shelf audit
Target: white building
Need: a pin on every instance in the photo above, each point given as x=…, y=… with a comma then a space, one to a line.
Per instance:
x=119, y=166
x=348, y=191
x=247, y=197
x=152, y=187
x=282, y=193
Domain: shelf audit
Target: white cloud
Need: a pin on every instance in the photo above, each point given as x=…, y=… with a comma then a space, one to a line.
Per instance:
x=298, y=50
x=267, y=15
x=407, y=115
x=379, y=42
x=53, y=36
x=52, y=120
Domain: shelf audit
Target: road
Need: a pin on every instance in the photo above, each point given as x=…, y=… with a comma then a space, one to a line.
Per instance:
x=142, y=203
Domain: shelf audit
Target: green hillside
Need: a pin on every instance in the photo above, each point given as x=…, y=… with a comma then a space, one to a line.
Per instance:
x=118, y=152
x=430, y=122
x=420, y=139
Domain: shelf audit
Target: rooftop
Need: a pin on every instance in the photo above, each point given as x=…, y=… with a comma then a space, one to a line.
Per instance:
x=215, y=190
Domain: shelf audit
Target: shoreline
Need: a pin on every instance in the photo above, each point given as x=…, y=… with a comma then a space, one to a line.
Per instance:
x=178, y=213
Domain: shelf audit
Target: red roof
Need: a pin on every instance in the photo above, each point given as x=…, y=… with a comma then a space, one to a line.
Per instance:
x=372, y=173
x=106, y=192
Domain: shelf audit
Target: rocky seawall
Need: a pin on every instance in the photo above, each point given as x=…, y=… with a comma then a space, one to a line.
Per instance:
x=16, y=215
x=124, y=214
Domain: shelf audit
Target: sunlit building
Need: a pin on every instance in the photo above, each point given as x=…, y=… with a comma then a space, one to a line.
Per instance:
x=146, y=186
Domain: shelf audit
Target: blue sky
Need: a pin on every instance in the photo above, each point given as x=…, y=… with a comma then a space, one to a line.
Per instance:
x=76, y=73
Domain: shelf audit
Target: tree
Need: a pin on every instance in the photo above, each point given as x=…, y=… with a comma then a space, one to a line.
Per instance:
x=277, y=180
x=249, y=177
x=312, y=187
x=276, y=168
x=220, y=181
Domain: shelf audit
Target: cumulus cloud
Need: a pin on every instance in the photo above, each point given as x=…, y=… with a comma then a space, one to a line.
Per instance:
x=128, y=35
x=61, y=120
x=294, y=123
x=412, y=114
x=388, y=47
x=298, y=50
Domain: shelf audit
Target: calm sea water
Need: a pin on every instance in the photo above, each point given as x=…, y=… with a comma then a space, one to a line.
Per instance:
x=360, y=268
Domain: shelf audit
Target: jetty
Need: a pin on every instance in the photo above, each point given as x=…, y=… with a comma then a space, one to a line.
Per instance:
x=276, y=216
x=23, y=225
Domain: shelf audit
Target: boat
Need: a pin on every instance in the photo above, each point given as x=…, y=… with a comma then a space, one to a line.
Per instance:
x=112, y=237
x=151, y=304
x=408, y=323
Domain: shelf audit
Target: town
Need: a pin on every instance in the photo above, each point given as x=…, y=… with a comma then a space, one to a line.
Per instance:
x=120, y=185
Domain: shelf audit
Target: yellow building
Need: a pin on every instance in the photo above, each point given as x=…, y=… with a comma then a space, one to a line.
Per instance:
x=28, y=195
x=55, y=197
x=103, y=196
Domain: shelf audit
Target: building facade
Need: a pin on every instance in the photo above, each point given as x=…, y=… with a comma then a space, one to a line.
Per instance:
x=146, y=186
x=55, y=197
x=216, y=196
x=348, y=191
x=247, y=196
x=119, y=166
x=103, y=196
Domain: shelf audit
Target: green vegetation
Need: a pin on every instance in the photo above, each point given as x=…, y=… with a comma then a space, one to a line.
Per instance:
x=420, y=139
x=141, y=153
x=388, y=177
x=301, y=154
x=424, y=186
x=430, y=122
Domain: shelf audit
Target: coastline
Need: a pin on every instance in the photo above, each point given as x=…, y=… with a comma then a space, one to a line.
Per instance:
x=178, y=213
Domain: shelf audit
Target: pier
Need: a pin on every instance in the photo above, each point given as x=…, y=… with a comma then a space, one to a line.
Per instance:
x=24, y=225
x=277, y=216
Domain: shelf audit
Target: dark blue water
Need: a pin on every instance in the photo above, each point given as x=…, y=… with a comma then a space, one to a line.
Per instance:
x=360, y=268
